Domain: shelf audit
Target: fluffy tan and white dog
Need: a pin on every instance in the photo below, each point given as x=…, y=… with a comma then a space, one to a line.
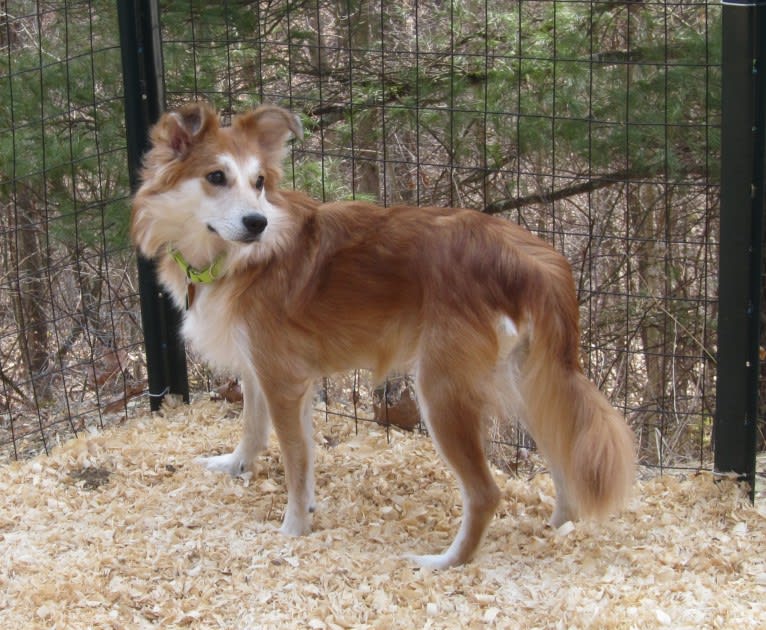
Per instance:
x=284, y=290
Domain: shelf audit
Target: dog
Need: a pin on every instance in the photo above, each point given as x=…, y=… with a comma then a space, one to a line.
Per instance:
x=283, y=290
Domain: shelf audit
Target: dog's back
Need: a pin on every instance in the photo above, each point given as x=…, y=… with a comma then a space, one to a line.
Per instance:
x=443, y=291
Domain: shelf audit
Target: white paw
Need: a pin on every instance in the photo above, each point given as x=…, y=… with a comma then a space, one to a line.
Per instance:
x=560, y=517
x=438, y=561
x=231, y=464
x=295, y=526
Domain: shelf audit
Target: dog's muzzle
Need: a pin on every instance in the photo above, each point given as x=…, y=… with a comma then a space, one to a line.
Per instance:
x=254, y=225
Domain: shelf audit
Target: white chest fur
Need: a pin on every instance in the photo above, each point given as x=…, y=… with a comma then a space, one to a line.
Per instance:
x=213, y=335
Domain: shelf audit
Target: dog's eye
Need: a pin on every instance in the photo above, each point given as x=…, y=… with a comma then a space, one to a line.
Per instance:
x=217, y=178
x=259, y=183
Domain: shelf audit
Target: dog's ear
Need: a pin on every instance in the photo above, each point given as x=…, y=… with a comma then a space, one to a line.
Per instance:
x=270, y=126
x=180, y=129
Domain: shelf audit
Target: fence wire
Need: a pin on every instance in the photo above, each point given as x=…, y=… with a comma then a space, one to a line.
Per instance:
x=594, y=124
x=69, y=341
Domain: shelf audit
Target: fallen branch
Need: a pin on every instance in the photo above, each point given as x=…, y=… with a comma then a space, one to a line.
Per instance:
x=591, y=185
x=131, y=391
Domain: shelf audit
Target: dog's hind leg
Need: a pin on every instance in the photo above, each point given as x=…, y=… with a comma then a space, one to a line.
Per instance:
x=453, y=417
x=563, y=511
x=292, y=422
x=255, y=435
x=307, y=425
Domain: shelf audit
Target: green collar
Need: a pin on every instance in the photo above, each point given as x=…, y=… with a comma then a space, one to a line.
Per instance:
x=198, y=276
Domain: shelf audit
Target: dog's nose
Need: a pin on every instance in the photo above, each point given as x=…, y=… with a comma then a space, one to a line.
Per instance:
x=254, y=224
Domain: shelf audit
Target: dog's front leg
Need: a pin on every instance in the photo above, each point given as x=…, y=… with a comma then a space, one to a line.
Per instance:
x=292, y=423
x=255, y=435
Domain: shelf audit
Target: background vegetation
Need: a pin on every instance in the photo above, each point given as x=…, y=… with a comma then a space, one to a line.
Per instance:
x=595, y=124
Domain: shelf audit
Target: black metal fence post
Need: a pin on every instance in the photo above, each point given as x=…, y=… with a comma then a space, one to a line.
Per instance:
x=142, y=76
x=742, y=207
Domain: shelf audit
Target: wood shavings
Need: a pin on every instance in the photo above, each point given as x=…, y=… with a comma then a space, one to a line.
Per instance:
x=123, y=530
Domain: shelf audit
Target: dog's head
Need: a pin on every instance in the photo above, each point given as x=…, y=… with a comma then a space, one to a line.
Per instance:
x=209, y=188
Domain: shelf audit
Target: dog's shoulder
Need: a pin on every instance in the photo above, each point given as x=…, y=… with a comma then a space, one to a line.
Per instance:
x=298, y=200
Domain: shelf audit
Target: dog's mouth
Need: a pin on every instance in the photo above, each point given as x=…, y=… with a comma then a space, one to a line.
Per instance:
x=248, y=231
x=246, y=237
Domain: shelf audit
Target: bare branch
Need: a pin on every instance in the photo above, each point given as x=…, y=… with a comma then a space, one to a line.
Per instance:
x=591, y=185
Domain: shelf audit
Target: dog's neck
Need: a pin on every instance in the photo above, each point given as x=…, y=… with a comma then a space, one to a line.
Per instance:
x=193, y=275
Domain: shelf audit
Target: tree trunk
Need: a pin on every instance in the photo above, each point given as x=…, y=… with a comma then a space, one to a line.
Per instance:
x=646, y=226
x=367, y=170
x=27, y=262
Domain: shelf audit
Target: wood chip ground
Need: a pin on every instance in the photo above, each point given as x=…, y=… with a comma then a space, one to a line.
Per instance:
x=122, y=530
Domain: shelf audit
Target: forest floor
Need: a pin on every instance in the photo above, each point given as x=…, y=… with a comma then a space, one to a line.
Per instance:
x=120, y=529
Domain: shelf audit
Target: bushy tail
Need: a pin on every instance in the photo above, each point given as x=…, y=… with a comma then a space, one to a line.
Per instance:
x=587, y=442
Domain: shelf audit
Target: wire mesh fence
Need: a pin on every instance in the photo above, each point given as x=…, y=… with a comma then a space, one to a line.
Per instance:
x=69, y=340
x=594, y=124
